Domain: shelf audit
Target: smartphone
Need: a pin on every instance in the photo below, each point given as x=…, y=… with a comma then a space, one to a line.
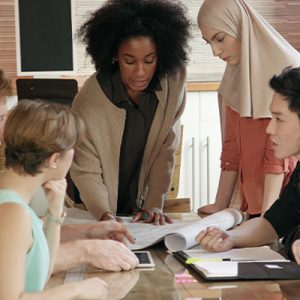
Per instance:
x=145, y=259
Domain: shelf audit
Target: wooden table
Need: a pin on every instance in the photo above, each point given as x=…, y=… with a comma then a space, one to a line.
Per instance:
x=170, y=280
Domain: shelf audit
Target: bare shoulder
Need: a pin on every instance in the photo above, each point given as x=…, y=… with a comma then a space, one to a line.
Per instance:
x=15, y=218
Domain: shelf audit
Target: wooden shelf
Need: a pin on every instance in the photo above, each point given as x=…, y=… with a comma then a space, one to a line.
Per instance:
x=202, y=86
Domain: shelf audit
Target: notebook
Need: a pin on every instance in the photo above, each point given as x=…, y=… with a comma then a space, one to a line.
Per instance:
x=255, y=263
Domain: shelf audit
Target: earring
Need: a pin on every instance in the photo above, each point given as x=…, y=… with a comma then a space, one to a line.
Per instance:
x=114, y=60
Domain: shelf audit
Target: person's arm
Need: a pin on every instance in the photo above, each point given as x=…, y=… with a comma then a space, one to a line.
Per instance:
x=252, y=233
x=159, y=181
x=103, y=254
x=225, y=190
x=272, y=188
x=16, y=222
x=86, y=173
x=161, y=170
x=87, y=168
x=100, y=230
x=279, y=220
x=16, y=240
x=55, y=192
x=222, y=113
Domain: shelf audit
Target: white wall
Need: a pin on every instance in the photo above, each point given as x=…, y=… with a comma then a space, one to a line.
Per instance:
x=203, y=66
x=201, y=148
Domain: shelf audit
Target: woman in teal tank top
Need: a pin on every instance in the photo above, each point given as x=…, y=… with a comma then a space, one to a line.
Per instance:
x=39, y=139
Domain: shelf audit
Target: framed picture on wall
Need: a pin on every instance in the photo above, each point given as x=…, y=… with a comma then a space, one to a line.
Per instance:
x=44, y=34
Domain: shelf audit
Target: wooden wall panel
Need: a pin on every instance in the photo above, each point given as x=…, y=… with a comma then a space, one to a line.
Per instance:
x=7, y=37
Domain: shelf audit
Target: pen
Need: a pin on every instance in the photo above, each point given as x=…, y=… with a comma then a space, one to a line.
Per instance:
x=192, y=260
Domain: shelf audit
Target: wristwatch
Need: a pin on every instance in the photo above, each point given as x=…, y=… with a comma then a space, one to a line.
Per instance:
x=56, y=219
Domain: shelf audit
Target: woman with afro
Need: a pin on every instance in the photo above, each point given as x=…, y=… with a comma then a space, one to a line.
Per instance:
x=131, y=107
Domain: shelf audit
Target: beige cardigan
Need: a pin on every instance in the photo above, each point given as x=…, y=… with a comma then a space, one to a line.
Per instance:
x=95, y=169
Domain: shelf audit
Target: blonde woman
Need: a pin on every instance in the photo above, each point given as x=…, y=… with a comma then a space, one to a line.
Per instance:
x=96, y=244
x=37, y=156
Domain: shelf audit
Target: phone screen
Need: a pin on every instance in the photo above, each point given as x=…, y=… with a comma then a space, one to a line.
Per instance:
x=145, y=259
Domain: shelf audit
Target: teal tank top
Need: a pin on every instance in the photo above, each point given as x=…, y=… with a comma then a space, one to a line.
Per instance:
x=37, y=259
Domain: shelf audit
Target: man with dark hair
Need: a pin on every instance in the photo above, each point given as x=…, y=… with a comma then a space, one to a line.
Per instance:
x=284, y=215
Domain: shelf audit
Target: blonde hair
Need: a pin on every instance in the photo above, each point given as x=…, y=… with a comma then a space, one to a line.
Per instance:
x=6, y=88
x=34, y=130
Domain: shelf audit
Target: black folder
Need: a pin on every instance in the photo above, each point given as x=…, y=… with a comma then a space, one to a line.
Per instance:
x=250, y=270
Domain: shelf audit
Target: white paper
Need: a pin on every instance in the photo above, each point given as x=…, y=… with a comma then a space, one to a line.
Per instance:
x=178, y=236
x=218, y=269
x=181, y=234
x=264, y=253
x=184, y=238
x=148, y=234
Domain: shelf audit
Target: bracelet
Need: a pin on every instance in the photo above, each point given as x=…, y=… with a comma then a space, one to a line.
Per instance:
x=56, y=219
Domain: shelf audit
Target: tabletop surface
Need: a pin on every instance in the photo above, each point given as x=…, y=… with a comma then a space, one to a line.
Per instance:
x=171, y=280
